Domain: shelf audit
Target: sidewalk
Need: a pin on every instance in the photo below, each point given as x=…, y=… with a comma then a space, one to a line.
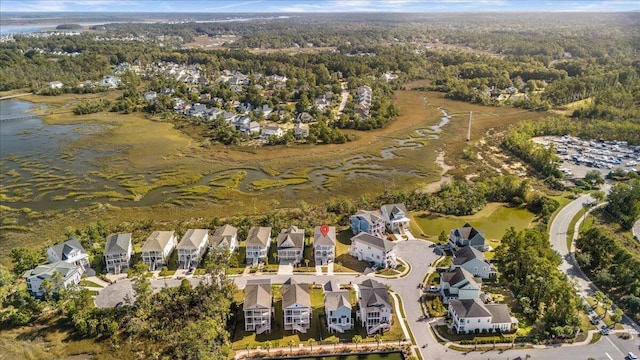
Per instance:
x=329, y=350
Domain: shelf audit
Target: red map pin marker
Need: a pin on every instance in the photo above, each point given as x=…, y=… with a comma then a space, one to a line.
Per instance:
x=324, y=229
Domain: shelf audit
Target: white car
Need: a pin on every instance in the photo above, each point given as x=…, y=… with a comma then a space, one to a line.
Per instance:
x=434, y=288
x=631, y=356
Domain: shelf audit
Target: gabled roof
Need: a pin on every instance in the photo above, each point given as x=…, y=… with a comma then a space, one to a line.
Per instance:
x=467, y=254
x=334, y=300
x=293, y=235
x=331, y=286
x=319, y=239
x=157, y=241
x=373, y=293
x=467, y=232
x=193, y=239
x=499, y=313
x=62, y=250
x=257, y=294
x=371, y=216
x=258, y=236
x=469, y=308
x=395, y=211
x=294, y=293
x=223, y=235
x=46, y=271
x=374, y=241
x=117, y=244
x=457, y=276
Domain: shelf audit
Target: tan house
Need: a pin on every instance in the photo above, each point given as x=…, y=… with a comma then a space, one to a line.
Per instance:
x=257, y=306
x=296, y=306
x=192, y=247
x=324, y=247
x=117, y=253
x=157, y=248
x=258, y=244
x=291, y=245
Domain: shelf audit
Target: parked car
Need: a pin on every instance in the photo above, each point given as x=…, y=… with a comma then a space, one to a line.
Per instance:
x=605, y=331
x=631, y=356
x=434, y=288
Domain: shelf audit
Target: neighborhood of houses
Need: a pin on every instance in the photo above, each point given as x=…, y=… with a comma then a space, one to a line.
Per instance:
x=470, y=309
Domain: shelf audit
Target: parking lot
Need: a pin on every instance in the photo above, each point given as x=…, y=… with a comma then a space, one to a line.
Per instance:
x=580, y=156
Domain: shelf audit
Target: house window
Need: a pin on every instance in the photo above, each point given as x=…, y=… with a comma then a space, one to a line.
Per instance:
x=478, y=320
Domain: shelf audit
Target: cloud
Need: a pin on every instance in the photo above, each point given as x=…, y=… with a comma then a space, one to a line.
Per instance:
x=232, y=5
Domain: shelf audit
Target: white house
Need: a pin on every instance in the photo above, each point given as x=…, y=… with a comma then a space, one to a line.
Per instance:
x=157, y=248
x=70, y=251
x=269, y=131
x=69, y=275
x=324, y=247
x=337, y=308
x=296, y=306
x=459, y=284
x=257, y=306
x=370, y=222
x=192, y=247
x=301, y=131
x=467, y=235
x=258, y=244
x=474, y=261
x=472, y=316
x=291, y=245
x=117, y=252
x=375, y=309
x=396, y=218
x=371, y=248
x=55, y=85
x=225, y=236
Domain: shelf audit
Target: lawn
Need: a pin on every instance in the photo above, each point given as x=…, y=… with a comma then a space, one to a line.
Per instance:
x=345, y=262
x=494, y=219
x=89, y=284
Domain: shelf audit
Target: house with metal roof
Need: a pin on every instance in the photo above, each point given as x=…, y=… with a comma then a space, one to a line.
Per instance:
x=157, y=249
x=472, y=316
x=71, y=252
x=257, y=306
x=118, y=252
x=324, y=247
x=192, y=247
x=296, y=306
x=69, y=274
x=337, y=308
x=291, y=245
x=258, y=244
x=375, y=308
x=373, y=249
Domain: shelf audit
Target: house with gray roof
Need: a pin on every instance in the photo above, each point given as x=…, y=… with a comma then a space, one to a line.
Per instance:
x=291, y=245
x=370, y=222
x=300, y=131
x=258, y=244
x=459, y=284
x=225, y=237
x=472, y=316
x=257, y=306
x=381, y=252
x=375, y=308
x=69, y=274
x=117, y=253
x=192, y=247
x=324, y=247
x=467, y=235
x=396, y=218
x=474, y=261
x=71, y=252
x=296, y=306
x=337, y=308
x=157, y=248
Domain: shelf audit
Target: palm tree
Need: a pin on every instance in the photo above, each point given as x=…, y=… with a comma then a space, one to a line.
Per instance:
x=335, y=342
x=311, y=342
x=357, y=339
x=378, y=338
x=306, y=263
x=291, y=343
x=267, y=346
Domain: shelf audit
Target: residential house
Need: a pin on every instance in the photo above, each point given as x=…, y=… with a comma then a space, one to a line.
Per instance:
x=370, y=222
x=474, y=261
x=150, y=95
x=258, y=244
x=269, y=131
x=225, y=237
x=324, y=247
x=459, y=284
x=157, y=248
x=241, y=122
x=117, y=253
x=109, y=81
x=337, y=308
x=371, y=248
x=467, y=236
x=305, y=117
x=71, y=252
x=291, y=245
x=375, y=309
x=257, y=306
x=250, y=129
x=192, y=247
x=69, y=275
x=396, y=218
x=296, y=306
x=301, y=131
x=55, y=85
x=472, y=316
x=322, y=102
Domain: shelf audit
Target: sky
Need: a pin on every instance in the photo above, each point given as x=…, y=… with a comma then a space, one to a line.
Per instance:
x=302, y=6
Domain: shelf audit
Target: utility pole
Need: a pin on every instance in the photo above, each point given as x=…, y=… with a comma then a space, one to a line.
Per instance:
x=469, y=130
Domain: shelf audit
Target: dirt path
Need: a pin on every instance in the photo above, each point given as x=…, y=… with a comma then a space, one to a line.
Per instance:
x=345, y=96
